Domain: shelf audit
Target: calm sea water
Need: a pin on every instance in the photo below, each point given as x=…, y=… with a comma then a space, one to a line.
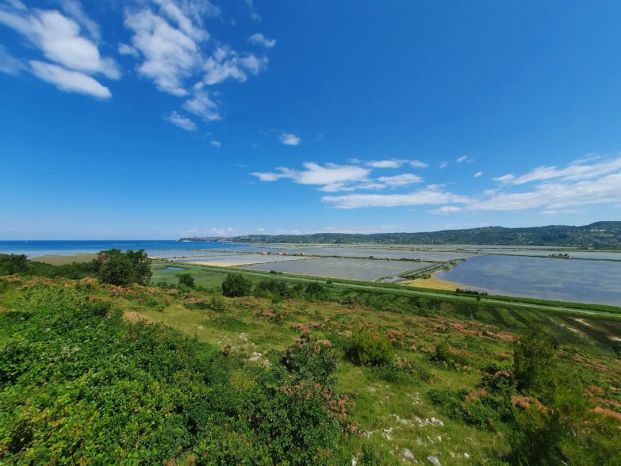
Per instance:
x=155, y=248
x=587, y=281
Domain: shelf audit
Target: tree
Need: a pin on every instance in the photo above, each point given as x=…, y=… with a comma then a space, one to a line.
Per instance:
x=533, y=356
x=186, y=279
x=235, y=284
x=13, y=263
x=123, y=268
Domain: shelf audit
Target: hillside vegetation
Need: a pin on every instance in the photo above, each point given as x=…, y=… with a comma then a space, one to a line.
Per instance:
x=600, y=235
x=268, y=371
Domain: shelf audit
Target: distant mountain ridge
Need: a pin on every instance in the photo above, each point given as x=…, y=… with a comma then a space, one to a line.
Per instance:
x=598, y=235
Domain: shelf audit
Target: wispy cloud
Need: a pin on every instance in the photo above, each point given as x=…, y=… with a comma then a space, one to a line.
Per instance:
x=478, y=174
x=69, y=81
x=396, y=163
x=330, y=177
x=253, y=12
x=260, y=40
x=200, y=104
x=73, y=58
x=577, y=170
x=180, y=121
x=464, y=159
x=169, y=39
x=580, y=183
x=215, y=143
x=290, y=139
x=400, y=180
x=8, y=63
x=426, y=196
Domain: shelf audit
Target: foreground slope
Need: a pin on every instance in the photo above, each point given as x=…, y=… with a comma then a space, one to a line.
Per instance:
x=96, y=373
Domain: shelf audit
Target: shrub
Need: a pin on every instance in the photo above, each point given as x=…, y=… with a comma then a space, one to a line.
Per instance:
x=533, y=357
x=123, y=268
x=83, y=387
x=311, y=359
x=364, y=349
x=186, y=279
x=13, y=263
x=235, y=285
x=273, y=288
x=314, y=289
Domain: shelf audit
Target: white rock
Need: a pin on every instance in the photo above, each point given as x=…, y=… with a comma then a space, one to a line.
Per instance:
x=434, y=460
x=255, y=356
x=407, y=454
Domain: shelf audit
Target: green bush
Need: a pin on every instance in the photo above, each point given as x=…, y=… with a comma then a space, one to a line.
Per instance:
x=272, y=288
x=13, y=263
x=79, y=384
x=312, y=359
x=123, y=268
x=364, y=349
x=186, y=279
x=533, y=359
x=236, y=285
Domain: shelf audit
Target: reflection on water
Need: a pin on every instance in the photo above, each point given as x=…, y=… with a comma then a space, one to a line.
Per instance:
x=586, y=281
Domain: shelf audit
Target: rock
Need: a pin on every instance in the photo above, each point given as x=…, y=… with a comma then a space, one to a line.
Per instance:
x=255, y=356
x=388, y=433
x=466, y=455
x=434, y=460
x=407, y=454
x=354, y=461
x=435, y=422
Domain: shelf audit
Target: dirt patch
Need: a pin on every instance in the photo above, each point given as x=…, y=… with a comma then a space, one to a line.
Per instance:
x=607, y=412
x=133, y=317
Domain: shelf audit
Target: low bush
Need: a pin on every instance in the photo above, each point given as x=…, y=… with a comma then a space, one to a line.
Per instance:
x=236, y=285
x=312, y=359
x=123, y=268
x=364, y=349
x=78, y=384
x=186, y=279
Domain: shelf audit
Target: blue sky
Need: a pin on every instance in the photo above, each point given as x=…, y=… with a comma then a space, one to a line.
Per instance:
x=167, y=118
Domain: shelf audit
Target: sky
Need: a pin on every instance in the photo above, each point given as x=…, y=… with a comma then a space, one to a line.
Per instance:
x=142, y=119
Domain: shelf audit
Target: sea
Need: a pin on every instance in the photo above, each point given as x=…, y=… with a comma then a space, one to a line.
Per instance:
x=154, y=248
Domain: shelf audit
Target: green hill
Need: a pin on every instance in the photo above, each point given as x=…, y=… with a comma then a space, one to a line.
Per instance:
x=598, y=235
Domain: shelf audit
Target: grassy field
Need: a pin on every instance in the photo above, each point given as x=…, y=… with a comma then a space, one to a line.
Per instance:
x=440, y=346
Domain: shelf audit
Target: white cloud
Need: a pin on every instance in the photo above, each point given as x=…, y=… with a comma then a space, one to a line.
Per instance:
x=126, y=49
x=253, y=12
x=226, y=63
x=330, y=177
x=290, y=139
x=215, y=143
x=74, y=9
x=443, y=164
x=69, y=81
x=426, y=196
x=400, y=180
x=477, y=174
x=8, y=63
x=581, y=183
x=169, y=54
x=391, y=163
x=464, y=159
x=396, y=163
x=180, y=121
x=59, y=39
x=261, y=40
x=551, y=196
x=418, y=164
x=200, y=104
x=577, y=170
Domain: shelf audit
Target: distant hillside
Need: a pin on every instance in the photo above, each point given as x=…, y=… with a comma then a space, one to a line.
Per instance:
x=599, y=235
